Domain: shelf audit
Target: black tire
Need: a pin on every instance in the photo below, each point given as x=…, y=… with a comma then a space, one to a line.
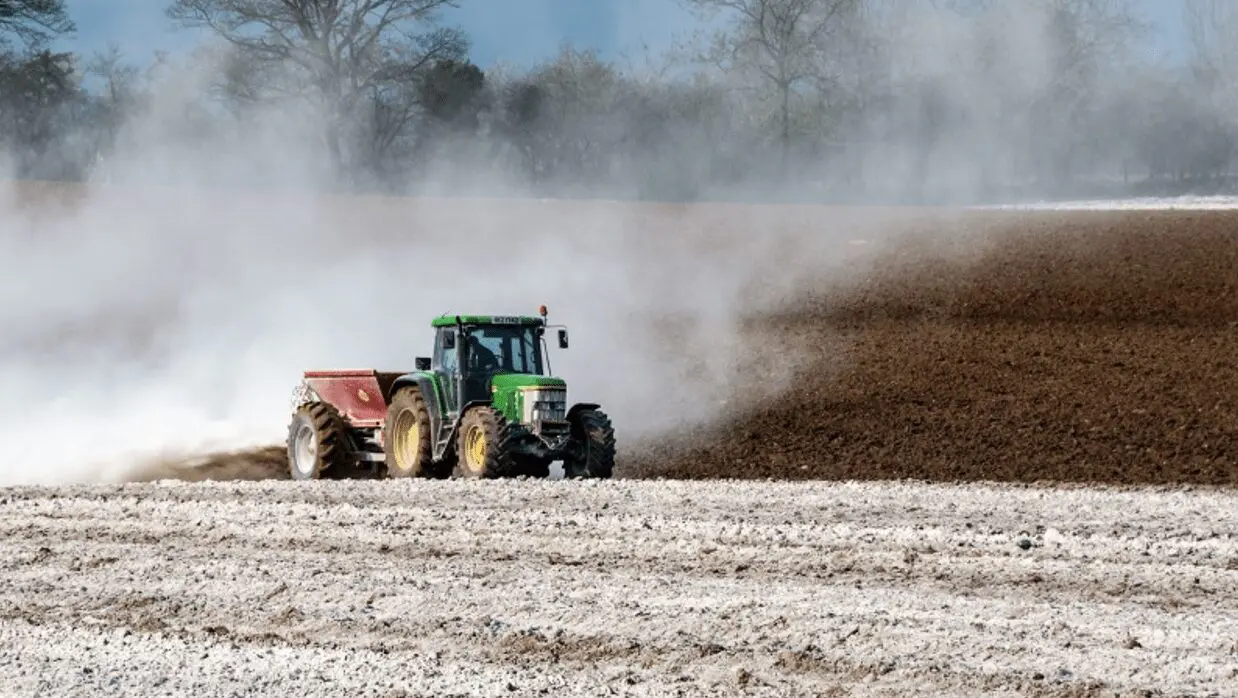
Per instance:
x=486, y=458
x=594, y=438
x=409, y=418
x=318, y=443
x=532, y=466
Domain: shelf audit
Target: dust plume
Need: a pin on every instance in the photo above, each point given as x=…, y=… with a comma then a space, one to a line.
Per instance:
x=169, y=306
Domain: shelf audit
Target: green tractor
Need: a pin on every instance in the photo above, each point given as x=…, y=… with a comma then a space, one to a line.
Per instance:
x=485, y=405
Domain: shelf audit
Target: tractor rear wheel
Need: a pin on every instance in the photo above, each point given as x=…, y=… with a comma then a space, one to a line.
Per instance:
x=481, y=445
x=407, y=438
x=317, y=443
x=594, y=438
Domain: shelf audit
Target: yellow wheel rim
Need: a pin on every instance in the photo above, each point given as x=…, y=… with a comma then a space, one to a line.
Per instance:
x=475, y=448
x=407, y=440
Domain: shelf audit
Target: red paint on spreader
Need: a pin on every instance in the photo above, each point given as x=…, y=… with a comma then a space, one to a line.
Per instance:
x=359, y=394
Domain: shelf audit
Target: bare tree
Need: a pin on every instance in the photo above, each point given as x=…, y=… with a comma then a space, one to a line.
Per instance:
x=119, y=92
x=336, y=53
x=1212, y=26
x=38, y=94
x=578, y=112
x=1087, y=43
x=783, y=42
x=34, y=21
x=38, y=91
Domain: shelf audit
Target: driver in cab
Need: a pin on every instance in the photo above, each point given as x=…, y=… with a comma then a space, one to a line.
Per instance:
x=481, y=358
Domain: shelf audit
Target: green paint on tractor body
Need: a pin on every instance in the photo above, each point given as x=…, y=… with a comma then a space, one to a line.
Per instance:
x=435, y=383
x=510, y=391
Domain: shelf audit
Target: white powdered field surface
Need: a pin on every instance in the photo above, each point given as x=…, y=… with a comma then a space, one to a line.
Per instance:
x=395, y=588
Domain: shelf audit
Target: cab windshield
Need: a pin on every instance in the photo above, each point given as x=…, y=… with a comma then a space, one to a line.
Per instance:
x=504, y=349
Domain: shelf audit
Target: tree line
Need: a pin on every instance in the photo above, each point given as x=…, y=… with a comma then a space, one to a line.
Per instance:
x=835, y=100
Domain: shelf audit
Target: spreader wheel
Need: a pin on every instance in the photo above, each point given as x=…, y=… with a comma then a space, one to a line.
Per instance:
x=317, y=443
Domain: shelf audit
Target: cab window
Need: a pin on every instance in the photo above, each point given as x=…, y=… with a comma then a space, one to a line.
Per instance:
x=446, y=349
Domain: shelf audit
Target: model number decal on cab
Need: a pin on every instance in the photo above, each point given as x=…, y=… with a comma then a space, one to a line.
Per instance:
x=505, y=320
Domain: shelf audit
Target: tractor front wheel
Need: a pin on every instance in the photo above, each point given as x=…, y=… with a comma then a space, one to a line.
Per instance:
x=531, y=467
x=481, y=445
x=594, y=440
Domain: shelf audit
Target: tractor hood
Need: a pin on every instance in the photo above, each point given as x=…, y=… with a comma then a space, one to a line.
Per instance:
x=519, y=381
x=529, y=398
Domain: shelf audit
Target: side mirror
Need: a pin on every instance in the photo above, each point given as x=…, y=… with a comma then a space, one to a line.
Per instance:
x=422, y=363
x=449, y=340
x=563, y=339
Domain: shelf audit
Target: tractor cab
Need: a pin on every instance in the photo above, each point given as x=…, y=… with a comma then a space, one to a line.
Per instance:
x=470, y=351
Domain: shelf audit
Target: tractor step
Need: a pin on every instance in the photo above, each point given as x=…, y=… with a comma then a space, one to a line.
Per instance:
x=445, y=435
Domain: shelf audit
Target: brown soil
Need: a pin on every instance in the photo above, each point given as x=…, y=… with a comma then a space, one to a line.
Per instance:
x=269, y=463
x=1098, y=347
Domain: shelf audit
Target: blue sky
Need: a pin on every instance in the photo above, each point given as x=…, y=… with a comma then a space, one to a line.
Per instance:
x=514, y=31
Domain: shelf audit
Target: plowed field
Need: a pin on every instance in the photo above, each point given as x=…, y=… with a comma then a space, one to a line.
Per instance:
x=1099, y=347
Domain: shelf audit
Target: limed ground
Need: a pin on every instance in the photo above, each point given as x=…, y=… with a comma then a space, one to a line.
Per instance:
x=630, y=588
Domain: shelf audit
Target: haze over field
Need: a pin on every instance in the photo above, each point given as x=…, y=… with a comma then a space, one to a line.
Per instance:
x=841, y=100
x=171, y=303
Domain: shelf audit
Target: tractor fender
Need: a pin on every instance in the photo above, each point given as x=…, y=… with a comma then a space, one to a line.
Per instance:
x=578, y=408
x=425, y=384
